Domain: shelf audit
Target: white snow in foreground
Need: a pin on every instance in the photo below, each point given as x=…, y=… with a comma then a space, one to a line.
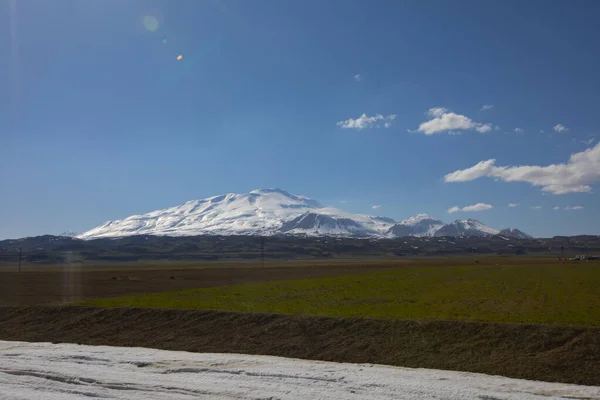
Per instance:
x=68, y=371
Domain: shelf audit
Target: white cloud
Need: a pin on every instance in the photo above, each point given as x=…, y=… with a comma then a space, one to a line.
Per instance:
x=512, y=205
x=589, y=141
x=444, y=121
x=519, y=130
x=556, y=208
x=474, y=207
x=487, y=107
x=343, y=201
x=537, y=207
x=436, y=111
x=376, y=206
x=560, y=128
x=484, y=128
x=363, y=122
x=574, y=208
x=358, y=77
x=482, y=168
x=575, y=176
x=478, y=207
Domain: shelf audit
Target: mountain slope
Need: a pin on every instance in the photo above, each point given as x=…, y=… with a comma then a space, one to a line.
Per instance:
x=267, y=212
x=467, y=227
x=335, y=222
x=419, y=225
x=514, y=233
x=260, y=212
x=69, y=234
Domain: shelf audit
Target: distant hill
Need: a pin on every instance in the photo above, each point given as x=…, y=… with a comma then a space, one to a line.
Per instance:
x=514, y=233
x=60, y=249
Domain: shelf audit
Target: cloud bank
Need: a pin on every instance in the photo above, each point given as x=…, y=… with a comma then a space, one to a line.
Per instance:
x=574, y=176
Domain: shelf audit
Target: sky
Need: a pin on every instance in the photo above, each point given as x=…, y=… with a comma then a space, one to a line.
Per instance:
x=462, y=109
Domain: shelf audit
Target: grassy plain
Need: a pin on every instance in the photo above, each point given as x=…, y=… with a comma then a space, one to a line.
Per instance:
x=68, y=283
x=516, y=290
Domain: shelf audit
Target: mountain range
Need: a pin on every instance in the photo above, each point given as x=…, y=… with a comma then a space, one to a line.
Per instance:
x=268, y=212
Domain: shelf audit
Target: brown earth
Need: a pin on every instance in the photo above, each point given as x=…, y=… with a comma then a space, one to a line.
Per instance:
x=59, y=285
x=561, y=354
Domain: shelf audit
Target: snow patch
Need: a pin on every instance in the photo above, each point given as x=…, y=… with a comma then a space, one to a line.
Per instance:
x=68, y=371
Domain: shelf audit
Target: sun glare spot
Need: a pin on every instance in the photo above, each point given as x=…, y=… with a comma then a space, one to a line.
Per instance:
x=150, y=23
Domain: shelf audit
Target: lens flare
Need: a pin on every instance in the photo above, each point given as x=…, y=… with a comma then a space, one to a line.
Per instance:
x=150, y=23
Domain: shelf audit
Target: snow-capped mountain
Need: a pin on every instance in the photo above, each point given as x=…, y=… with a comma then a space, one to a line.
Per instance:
x=419, y=225
x=335, y=222
x=260, y=212
x=514, y=233
x=466, y=227
x=274, y=211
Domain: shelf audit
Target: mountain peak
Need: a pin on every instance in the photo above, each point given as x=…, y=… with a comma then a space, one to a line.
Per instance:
x=260, y=212
x=272, y=190
x=466, y=227
x=273, y=211
x=419, y=225
x=421, y=216
x=417, y=219
x=515, y=233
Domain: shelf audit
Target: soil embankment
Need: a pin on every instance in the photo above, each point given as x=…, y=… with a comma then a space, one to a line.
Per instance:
x=548, y=353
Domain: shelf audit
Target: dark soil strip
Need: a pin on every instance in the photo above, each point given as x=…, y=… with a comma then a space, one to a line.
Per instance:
x=66, y=285
x=561, y=354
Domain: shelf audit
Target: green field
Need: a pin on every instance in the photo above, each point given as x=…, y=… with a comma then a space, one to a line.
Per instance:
x=562, y=294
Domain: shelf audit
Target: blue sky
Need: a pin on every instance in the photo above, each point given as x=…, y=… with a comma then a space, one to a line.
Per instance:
x=99, y=120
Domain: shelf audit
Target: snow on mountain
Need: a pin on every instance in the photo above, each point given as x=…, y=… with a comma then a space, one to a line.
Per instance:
x=467, y=227
x=419, y=225
x=514, y=233
x=313, y=223
x=335, y=222
x=260, y=212
x=274, y=211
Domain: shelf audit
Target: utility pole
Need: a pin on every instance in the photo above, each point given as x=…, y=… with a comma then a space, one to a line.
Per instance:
x=20, y=253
